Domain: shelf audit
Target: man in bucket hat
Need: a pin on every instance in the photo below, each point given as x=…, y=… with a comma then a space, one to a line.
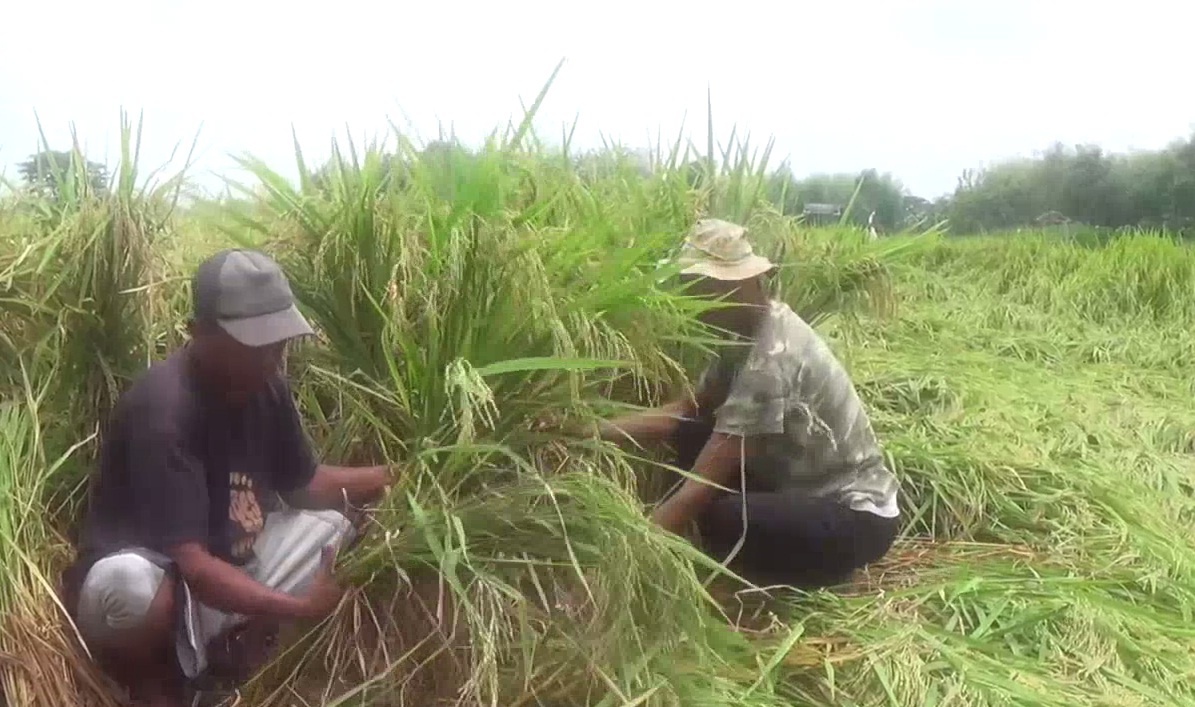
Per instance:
x=776, y=417
x=188, y=560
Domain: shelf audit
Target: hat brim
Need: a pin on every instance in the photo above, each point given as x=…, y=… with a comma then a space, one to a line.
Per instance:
x=752, y=266
x=267, y=329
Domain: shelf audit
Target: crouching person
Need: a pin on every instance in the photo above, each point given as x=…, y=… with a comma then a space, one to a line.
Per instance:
x=785, y=433
x=188, y=560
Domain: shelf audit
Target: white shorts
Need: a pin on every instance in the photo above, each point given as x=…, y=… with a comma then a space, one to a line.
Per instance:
x=118, y=589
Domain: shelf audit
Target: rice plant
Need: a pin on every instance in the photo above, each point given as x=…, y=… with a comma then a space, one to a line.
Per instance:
x=43, y=664
x=1031, y=393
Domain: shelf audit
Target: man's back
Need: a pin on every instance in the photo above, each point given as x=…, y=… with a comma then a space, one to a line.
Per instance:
x=162, y=404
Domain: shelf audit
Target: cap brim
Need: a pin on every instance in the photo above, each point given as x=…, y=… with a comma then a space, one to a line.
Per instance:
x=268, y=329
x=750, y=267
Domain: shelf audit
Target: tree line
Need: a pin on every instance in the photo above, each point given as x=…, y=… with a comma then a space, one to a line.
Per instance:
x=1081, y=184
x=50, y=172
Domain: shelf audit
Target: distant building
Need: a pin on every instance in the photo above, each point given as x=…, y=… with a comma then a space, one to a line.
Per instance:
x=821, y=214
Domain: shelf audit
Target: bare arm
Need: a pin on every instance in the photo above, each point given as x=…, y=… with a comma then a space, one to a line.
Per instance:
x=644, y=428
x=719, y=463
x=319, y=486
x=331, y=485
x=222, y=586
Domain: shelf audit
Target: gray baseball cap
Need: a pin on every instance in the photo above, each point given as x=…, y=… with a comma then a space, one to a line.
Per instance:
x=248, y=296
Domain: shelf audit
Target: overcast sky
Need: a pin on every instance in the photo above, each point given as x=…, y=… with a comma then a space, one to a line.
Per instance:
x=920, y=88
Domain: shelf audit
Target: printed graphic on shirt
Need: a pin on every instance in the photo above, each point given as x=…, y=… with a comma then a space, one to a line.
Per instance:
x=244, y=510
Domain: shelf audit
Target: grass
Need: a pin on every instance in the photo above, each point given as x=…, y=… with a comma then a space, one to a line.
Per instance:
x=1030, y=392
x=38, y=654
x=1072, y=469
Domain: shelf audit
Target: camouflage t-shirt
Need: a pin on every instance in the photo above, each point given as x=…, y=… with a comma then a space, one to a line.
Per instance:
x=793, y=394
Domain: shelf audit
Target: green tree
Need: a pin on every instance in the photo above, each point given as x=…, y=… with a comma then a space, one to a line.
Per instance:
x=55, y=172
x=881, y=193
x=1084, y=184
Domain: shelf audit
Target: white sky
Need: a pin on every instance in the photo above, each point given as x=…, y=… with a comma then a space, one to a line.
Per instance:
x=921, y=88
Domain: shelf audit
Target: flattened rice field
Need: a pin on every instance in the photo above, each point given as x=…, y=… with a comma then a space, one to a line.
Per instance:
x=1034, y=395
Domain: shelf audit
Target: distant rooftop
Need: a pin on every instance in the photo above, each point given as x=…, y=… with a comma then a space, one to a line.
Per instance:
x=823, y=209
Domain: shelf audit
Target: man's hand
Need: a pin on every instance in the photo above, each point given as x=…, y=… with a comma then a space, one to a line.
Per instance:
x=224, y=587
x=325, y=593
x=379, y=481
x=569, y=428
x=333, y=485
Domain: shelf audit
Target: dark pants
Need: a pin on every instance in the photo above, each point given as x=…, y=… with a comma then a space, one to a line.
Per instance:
x=795, y=540
x=791, y=538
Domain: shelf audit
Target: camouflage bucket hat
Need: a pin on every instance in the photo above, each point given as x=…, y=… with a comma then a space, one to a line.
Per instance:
x=720, y=250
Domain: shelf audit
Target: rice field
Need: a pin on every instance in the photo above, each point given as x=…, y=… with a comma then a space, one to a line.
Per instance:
x=1032, y=393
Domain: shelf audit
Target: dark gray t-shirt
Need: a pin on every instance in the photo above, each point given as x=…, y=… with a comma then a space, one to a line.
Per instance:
x=178, y=465
x=793, y=395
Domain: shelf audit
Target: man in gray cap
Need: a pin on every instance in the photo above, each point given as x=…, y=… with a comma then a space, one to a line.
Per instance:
x=777, y=417
x=188, y=560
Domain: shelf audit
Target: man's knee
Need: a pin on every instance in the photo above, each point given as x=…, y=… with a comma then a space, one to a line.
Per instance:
x=312, y=530
x=124, y=594
x=338, y=525
x=289, y=550
x=336, y=530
